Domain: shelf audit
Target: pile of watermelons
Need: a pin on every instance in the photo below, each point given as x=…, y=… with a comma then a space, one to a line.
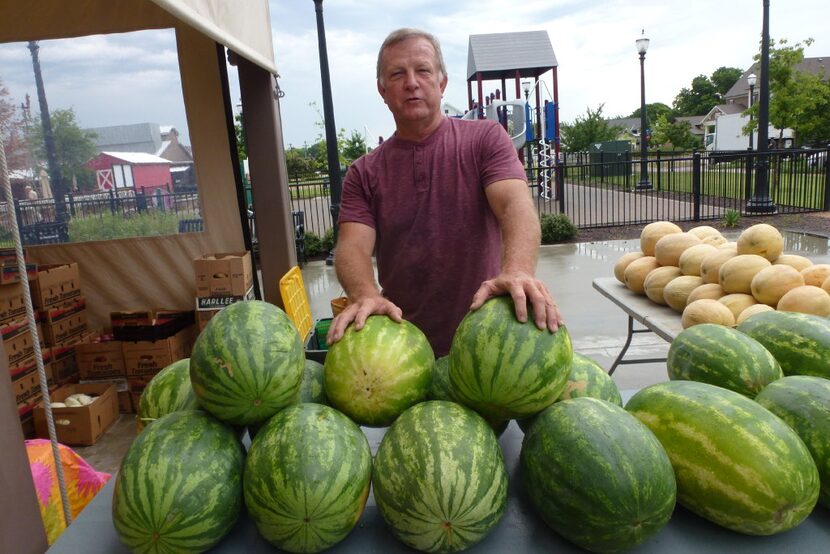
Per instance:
x=729, y=437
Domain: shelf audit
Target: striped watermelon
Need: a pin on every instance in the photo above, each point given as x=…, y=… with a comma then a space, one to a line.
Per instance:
x=374, y=374
x=179, y=488
x=722, y=356
x=168, y=391
x=439, y=478
x=800, y=342
x=736, y=463
x=586, y=378
x=505, y=369
x=247, y=363
x=440, y=389
x=307, y=478
x=313, y=386
x=804, y=403
x=597, y=475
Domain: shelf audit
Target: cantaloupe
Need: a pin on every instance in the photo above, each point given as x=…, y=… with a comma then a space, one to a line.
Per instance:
x=635, y=274
x=712, y=291
x=622, y=263
x=793, y=260
x=691, y=258
x=657, y=280
x=704, y=231
x=729, y=245
x=737, y=302
x=806, y=299
x=706, y=311
x=826, y=285
x=752, y=310
x=669, y=248
x=771, y=283
x=816, y=274
x=710, y=265
x=677, y=292
x=761, y=239
x=735, y=275
x=653, y=232
x=715, y=240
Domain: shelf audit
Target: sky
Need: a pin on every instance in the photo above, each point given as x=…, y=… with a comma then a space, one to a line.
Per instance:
x=133, y=78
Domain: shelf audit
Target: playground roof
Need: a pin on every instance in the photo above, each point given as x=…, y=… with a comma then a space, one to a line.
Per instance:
x=500, y=55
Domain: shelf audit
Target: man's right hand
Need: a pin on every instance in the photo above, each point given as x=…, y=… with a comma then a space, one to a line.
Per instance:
x=357, y=312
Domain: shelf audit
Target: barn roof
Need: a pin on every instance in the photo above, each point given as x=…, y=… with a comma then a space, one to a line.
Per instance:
x=137, y=157
x=500, y=55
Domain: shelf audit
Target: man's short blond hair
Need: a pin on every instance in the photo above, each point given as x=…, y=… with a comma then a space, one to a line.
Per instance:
x=406, y=33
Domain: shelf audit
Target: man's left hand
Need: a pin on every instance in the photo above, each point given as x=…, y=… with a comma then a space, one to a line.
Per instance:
x=524, y=289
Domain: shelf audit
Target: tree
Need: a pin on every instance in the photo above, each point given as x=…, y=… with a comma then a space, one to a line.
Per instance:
x=798, y=100
x=586, y=130
x=697, y=100
x=74, y=146
x=723, y=78
x=239, y=130
x=654, y=111
x=353, y=147
x=298, y=162
x=673, y=133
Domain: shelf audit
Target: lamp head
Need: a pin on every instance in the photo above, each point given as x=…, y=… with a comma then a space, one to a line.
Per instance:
x=526, y=86
x=642, y=43
x=751, y=79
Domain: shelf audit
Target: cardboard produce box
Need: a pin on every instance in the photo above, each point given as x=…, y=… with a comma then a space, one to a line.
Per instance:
x=12, y=302
x=17, y=341
x=26, y=389
x=55, y=284
x=149, y=325
x=67, y=331
x=224, y=274
x=61, y=364
x=81, y=425
x=209, y=306
x=125, y=404
x=143, y=359
x=102, y=358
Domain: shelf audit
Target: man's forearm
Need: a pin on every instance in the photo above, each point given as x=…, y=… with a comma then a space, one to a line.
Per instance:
x=355, y=273
x=520, y=238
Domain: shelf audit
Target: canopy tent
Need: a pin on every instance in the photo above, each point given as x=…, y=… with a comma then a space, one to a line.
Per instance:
x=157, y=271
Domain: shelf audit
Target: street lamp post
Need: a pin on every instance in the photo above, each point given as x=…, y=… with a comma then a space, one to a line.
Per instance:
x=751, y=80
x=644, y=184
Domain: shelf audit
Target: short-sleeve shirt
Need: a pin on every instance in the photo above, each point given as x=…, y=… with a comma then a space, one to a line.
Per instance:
x=437, y=238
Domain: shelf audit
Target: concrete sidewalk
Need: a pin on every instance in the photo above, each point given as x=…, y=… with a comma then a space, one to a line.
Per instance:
x=597, y=327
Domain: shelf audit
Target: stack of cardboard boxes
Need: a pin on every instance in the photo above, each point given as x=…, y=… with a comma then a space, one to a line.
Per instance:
x=221, y=280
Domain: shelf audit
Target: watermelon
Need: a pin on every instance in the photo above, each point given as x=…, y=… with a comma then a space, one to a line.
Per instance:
x=179, y=488
x=586, y=378
x=168, y=391
x=597, y=475
x=307, y=478
x=440, y=389
x=800, y=342
x=505, y=369
x=313, y=386
x=374, y=374
x=736, y=463
x=722, y=356
x=439, y=477
x=247, y=363
x=804, y=403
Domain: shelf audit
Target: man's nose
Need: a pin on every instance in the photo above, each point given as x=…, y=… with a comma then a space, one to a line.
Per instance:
x=411, y=81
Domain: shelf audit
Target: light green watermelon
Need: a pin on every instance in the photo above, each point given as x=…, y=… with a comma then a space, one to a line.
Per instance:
x=307, y=478
x=374, y=374
x=179, y=488
x=800, y=342
x=439, y=478
x=597, y=475
x=722, y=356
x=168, y=391
x=736, y=463
x=804, y=403
x=505, y=369
x=247, y=363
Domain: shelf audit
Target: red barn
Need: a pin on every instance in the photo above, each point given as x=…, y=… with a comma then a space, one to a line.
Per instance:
x=145, y=173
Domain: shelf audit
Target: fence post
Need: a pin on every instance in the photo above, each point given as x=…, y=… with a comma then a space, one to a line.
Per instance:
x=560, y=185
x=659, y=172
x=696, y=185
x=748, y=177
x=827, y=180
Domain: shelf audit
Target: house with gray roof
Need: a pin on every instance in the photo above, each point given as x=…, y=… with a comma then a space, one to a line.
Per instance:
x=150, y=138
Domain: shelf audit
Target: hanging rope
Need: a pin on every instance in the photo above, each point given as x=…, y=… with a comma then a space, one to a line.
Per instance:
x=30, y=316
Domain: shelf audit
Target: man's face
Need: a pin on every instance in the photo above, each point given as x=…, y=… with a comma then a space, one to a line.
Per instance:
x=411, y=82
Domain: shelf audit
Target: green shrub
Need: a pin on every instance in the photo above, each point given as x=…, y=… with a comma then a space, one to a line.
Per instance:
x=317, y=246
x=118, y=226
x=556, y=228
x=731, y=218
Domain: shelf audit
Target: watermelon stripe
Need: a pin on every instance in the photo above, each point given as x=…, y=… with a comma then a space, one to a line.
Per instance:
x=736, y=464
x=307, y=478
x=800, y=342
x=449, y=498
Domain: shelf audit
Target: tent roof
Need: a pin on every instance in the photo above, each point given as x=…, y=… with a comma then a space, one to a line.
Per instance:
x=500, y=55
x=137, y=157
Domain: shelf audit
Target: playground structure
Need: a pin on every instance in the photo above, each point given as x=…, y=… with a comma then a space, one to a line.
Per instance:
x=519, y=56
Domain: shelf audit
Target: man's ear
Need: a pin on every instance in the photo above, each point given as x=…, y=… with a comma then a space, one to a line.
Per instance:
x=444, y=81
x=381, y=90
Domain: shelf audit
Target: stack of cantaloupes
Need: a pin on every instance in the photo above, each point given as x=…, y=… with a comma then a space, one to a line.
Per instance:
x=712, y=280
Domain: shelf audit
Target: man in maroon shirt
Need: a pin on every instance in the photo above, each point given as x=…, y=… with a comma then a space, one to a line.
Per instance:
x=444, y=205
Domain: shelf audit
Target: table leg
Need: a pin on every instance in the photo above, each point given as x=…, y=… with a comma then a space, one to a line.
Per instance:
x=621, y=355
